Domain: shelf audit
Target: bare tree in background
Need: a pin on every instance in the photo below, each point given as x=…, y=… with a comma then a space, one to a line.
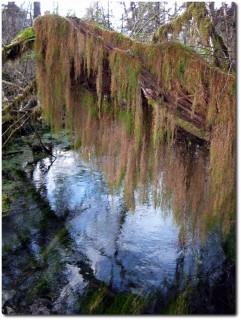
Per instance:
x=13, y=20
x=224, y=20
x=140, y=20
x=99, y=14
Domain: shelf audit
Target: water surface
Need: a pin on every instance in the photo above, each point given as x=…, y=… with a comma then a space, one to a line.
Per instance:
x=88, y=239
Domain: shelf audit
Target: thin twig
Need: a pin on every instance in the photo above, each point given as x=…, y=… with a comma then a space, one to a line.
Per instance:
x=13, y=125
x=12, y=133
x=155, y=15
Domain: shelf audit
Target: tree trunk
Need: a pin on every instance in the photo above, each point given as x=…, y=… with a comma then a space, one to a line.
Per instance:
x=36, y=9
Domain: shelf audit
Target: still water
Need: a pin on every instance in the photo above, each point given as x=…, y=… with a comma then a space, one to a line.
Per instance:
x=72, y=237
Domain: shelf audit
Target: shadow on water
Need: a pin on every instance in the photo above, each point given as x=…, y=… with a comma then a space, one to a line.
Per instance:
x=116, y=231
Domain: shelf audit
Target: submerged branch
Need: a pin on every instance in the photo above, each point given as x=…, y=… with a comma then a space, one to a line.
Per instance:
x=46, y=150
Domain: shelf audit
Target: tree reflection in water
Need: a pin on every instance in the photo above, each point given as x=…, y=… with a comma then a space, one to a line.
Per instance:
x=174, y=175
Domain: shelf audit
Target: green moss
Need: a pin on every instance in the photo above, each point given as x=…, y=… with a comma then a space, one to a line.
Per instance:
x=77, y=143
x=61, y=23
x=39, y=58
x=96, y=304
x=106, y=106
x=210, y=122
x=151, y=102
x=167, y=71
x=181, y=67
x=131, y=304
x=181, y=232
x=230, y=244
x=193, y=130
x=128, y=120
x=172, y=28
x=233, y=89
x=26, y=34
x=121, y=36
x=88, y=101
x=179, y=305
x=125, y=71
x=120, y=179
x=198, y=13
x=23, y=42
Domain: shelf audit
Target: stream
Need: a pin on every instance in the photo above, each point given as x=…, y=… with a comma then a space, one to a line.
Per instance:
x=70, y=246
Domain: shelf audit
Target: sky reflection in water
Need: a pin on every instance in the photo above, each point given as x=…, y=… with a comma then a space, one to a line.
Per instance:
x=137, y=251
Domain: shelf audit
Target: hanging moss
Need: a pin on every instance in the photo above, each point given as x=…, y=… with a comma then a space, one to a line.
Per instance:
x=180, y=304
x=171, y=63
x=127, y=304
x=72, y=81
x=196, y=11
x=127, y=118
x=181, y=66
x=172, y=28
x=125, y=72
x=160, y=126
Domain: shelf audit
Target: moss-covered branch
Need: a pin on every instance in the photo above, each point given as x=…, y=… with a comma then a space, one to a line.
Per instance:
x=28, y=90
x=196, y=16
x=22, y=43
x=12, y=85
